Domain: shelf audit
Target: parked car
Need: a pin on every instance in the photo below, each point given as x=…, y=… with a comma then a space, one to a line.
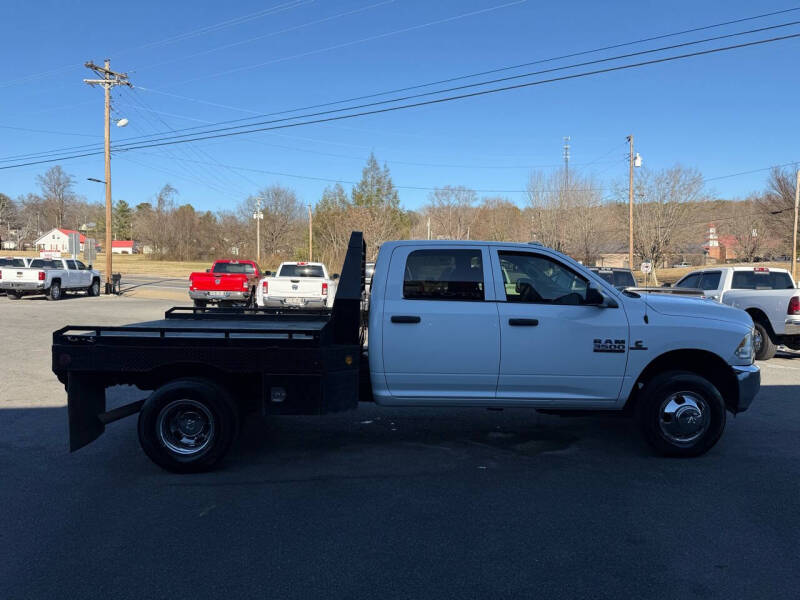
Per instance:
x=769, y=296
x=298, y=285
x=445, y=330
x=51, y=277
x=618, y=277
x=681, y=265
x=227, y=282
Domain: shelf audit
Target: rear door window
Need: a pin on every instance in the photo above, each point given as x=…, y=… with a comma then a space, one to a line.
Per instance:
x=444, y=275
x=71, y=265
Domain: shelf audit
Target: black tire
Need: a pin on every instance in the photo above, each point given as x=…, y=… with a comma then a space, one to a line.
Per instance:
x=200, y=303
x=55, y=292
x=94, y=289
x=13, y=295
x=765, y=348
x=677, y=393
x=179, y=409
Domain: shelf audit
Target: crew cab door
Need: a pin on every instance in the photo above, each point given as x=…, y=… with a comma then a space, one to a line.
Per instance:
x=554, y=346
x=441, y=339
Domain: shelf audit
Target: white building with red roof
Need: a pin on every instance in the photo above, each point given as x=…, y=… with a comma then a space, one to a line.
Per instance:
x=56, y=240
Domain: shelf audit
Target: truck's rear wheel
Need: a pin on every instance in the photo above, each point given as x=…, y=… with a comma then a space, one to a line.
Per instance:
x=763, y=345
x=13, y=295
x=54, y=293
x=188, y=425
x=680, y=413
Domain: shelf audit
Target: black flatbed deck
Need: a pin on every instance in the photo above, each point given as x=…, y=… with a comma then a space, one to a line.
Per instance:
x=314, y=358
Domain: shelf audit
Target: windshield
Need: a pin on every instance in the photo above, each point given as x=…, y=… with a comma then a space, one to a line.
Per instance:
x=301, y=271
x=238, y=268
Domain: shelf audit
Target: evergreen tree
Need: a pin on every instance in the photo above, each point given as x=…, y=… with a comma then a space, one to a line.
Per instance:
x=122, y=220
x=375, y=188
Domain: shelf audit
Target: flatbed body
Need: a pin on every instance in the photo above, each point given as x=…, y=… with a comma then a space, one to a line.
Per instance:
x=281, y=362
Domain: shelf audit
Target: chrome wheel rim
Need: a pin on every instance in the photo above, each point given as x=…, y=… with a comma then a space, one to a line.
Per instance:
x=758, y=341
x=55, y=290
x=684, y=417
x=186, y=427
x=95, y=289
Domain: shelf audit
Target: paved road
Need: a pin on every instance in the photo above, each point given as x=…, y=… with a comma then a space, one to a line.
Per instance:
x=394, y=503
x=136, y=282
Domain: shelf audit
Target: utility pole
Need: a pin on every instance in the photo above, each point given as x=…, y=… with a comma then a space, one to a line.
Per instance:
x=258, y=216
x=310, y=236
x=794, y=231
x=566, y=162
x=630, y=206
x=429, y=228
x=108, y=79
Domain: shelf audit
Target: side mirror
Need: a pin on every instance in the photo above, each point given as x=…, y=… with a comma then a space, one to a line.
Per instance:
x=267, y=273
x=595, y=297
x=89, y=267
x=208, y=270
x=666, y=285
x=335, y=276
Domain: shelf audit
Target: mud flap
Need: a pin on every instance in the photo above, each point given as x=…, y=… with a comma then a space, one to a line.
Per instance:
x=86, y=402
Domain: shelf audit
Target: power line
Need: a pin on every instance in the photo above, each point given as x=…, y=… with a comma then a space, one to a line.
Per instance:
x=266, y=35
x=222, y=133
x=359, y=41
x=6, y=159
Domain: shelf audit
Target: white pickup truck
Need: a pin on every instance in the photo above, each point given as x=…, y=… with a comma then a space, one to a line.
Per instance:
x=51, y=277
x=769, y=296
x=451, y=324
x=298, y=285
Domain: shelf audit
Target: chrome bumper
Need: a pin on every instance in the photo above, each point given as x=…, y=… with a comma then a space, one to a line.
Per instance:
x=272, y=302
x=22, y=286
x=208, y=296
x=748, y=378
x=792, y=326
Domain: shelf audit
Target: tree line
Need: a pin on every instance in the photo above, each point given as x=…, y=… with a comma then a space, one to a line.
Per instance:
x=568, y=211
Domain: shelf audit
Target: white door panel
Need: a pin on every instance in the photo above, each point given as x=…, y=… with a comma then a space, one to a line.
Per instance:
x=445, y=349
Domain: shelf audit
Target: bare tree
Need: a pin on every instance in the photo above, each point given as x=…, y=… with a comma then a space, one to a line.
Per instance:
x=499, y=219
x=57, y=193
x=283, y=217
x=661, y=212
x=451, y=211
x=747, y=226
x=777, y=204
x=548, y=208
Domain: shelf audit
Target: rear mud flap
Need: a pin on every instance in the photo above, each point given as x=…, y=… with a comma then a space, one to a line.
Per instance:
x=86, y=402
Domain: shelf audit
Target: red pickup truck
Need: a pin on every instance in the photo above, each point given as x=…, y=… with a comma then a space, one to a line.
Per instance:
x=226, y=282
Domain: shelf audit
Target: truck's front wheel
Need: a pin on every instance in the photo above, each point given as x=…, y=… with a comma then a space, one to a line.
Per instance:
x=188, y=425
x=680, y=413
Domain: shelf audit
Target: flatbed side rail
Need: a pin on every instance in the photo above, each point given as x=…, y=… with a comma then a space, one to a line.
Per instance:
x=195, y=312
x=86, y=334
x=346, y=318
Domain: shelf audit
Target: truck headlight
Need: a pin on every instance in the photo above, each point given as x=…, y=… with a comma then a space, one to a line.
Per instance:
x=745, y=349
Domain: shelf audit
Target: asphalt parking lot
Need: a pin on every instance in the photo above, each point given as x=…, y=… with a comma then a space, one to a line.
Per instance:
x=385, y=503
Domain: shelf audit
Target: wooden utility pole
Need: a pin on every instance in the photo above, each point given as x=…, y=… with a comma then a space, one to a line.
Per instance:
x=310, y=236
x=794, y=231
x=630, y=206
x=108, y=79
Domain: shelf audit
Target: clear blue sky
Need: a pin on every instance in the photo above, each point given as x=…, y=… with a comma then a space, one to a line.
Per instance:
x=723, y=113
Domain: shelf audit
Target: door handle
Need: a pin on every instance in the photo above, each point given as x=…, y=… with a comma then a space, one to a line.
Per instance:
x=523, y=322
x=405, y=319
